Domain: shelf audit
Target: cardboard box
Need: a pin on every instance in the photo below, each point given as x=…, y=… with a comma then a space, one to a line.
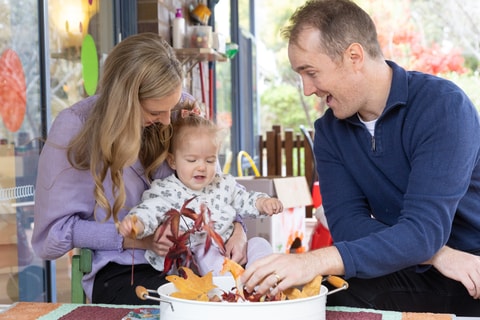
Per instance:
x=286, y=230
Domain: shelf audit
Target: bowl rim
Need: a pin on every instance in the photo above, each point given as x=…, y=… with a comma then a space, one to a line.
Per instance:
x=167, y=298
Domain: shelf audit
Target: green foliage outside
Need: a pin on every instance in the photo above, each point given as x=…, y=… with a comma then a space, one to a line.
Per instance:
x=281, y=104
x=418, y=34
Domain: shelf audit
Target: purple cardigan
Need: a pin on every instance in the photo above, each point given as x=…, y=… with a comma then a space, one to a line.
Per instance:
x=64, y=201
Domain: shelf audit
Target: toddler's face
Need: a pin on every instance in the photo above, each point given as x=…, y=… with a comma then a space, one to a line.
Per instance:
x=195, y=159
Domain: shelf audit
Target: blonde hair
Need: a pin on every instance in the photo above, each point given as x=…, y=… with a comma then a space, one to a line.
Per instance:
x=192, y=120
x=142, y=66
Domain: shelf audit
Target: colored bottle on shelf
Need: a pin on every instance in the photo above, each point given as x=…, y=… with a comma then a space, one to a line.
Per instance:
x=178, y=30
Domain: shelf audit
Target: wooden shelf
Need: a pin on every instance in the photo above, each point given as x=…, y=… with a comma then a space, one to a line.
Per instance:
x=195, y=55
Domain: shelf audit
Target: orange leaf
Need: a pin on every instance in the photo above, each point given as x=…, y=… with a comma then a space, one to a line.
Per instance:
x=236, y=270
x=293, y=293
x=192, y=287
x=313, y=287
x=310, y=289
x=134, y=226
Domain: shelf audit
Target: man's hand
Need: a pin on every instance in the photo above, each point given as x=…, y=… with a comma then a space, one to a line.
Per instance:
x=461, y=266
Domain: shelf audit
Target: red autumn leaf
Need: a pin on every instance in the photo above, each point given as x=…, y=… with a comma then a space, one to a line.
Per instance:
x=180, y=254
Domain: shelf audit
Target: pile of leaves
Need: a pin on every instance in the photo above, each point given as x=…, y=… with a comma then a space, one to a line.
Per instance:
x=193, y=287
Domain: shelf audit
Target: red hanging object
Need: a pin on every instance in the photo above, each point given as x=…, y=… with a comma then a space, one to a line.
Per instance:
x=320, y=237
x=316, y=196
x=13, y=90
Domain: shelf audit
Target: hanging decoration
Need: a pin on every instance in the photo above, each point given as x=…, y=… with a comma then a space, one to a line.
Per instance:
x=13, y=95
x=89, y=60
x=89, y=57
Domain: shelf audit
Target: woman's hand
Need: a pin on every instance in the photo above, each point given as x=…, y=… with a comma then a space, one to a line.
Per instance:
x=236, y=246
x=460, y=266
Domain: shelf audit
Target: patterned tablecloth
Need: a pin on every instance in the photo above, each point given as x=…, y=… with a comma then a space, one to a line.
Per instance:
x=50, y=311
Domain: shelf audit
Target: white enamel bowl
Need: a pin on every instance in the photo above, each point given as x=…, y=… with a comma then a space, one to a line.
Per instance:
x=171, y=308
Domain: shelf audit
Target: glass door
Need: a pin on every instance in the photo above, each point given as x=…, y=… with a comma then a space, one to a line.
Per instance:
x=22, y=275
x=50, y=56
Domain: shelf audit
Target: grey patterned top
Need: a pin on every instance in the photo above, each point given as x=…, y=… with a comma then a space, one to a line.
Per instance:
x=224, y=197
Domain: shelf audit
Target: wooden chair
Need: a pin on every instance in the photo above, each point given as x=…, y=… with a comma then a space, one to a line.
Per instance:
x=308, y=145
x=81, y=264
x=284, y=153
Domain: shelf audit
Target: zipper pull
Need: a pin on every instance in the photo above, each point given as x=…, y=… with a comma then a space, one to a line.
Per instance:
x=373, y=144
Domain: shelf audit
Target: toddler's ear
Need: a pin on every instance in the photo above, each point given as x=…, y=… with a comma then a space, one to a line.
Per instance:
x=171, y=161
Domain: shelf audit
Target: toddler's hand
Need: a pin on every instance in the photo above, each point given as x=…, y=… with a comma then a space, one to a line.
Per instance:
x=129, y=226
x=269, y=206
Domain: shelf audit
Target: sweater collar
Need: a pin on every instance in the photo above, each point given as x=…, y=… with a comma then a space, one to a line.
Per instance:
x=399, y=88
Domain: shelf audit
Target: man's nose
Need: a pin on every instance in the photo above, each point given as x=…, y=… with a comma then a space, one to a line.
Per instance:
x=308, y=88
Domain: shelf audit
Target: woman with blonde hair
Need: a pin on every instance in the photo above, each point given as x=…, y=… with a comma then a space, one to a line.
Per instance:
x=100, y=156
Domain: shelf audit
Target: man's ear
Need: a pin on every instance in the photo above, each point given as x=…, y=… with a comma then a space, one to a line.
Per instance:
x=355, y=54
x=171, y=161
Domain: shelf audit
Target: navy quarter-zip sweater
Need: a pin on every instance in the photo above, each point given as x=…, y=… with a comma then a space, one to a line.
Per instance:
x=394, y=199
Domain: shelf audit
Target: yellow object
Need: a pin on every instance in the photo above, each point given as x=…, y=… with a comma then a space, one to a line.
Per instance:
x=192, y=287
x=309, y=290
x=228, y=162
x=250, y=160
x=201, y=13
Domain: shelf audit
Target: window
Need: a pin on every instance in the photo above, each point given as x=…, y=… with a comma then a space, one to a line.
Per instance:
x=21, y=104
x=236, y=96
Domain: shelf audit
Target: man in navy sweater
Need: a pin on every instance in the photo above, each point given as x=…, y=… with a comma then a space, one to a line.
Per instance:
x=398, y=162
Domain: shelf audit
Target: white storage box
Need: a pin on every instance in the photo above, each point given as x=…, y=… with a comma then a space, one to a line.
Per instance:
x=286, y=230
